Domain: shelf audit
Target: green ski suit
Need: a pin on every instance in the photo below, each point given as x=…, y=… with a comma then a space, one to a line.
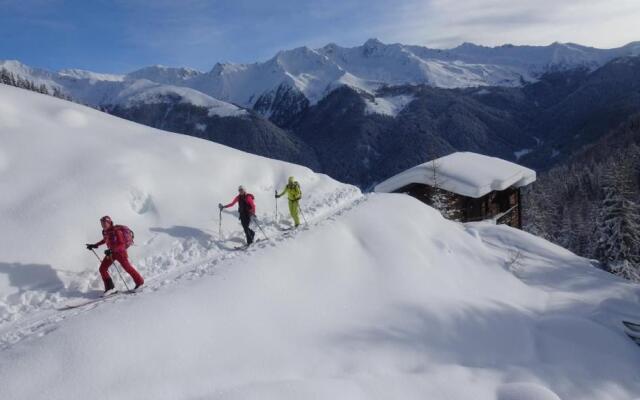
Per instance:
x=294, y=194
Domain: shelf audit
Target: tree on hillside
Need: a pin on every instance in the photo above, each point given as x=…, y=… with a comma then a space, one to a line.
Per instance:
x=618, y=223
x=7, y=77
x=441, y=199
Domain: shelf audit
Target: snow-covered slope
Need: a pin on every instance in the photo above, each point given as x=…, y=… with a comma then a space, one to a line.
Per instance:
x=146, y=92
x=139, y=87
x=387, y=105
x=382, y=299
x=63, y=166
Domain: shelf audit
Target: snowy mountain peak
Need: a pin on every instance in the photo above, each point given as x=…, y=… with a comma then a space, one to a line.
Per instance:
x=23, y=70
x=302, y=60
x=218, y=69
x=473, y=46
x=163, y=74
x=373, y=43
x=93, y=76
x=633, y=48
x=330, y=47
x=8, y=64
x=302, y=50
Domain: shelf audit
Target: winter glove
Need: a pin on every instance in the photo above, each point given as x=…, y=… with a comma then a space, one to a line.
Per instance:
x=108, y=253
x=220, y=206
x=91, y=246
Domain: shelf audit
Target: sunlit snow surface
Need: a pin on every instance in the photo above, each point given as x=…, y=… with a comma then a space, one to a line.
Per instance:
x=378, y=297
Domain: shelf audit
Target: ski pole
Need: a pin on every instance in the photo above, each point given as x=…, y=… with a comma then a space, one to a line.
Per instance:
x=220, y=225
x=97, y=256
x=117, y=264
x=276, y=206
x=302, y=213
x=117, y=268
x=255, y=219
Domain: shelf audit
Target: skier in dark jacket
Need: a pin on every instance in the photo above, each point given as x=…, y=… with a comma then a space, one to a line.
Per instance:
x=247, y=210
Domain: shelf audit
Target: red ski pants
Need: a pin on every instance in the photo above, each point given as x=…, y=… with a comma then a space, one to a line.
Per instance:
x=123, y=259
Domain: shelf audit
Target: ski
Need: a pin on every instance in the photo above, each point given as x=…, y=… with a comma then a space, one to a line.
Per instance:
x=246, y=246
x=632, y=326
x=82, y=302
x=69, y=305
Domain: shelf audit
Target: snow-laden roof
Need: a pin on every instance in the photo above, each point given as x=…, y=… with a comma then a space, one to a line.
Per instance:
x=465, y=173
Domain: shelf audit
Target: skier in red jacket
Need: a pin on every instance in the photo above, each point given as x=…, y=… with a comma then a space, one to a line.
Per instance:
x=247, y=210
x=116, y=251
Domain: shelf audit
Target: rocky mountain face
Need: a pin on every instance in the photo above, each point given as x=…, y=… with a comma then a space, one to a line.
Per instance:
x=283, y=107
x=540, y=124
x=594, y=104
x=250, y=132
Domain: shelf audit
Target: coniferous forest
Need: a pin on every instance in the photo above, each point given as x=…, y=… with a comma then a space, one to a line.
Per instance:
x=591, y=204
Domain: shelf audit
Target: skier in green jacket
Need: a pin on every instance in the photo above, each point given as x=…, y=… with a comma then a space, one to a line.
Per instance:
x=294, y=194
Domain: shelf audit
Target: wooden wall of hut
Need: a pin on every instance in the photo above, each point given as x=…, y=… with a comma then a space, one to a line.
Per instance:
x=467, y=209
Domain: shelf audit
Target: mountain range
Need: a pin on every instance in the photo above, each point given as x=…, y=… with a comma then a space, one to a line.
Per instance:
x=363, y=113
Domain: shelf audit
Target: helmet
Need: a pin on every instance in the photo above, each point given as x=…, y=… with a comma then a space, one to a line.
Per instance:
x=241, y=188
x=107, y=219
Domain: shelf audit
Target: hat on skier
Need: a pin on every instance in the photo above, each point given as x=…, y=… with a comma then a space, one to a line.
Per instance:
x=106, y=218
x=241, y=188
x=291, y=179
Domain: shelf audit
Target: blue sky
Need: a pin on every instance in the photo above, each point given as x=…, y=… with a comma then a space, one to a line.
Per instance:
x=122, y=35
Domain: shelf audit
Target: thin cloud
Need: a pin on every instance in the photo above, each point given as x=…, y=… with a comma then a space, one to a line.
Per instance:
x=198, y=33
x=494, y=22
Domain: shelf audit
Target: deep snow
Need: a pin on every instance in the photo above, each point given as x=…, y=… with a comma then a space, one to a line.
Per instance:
x=466, y=173
x=378, y=297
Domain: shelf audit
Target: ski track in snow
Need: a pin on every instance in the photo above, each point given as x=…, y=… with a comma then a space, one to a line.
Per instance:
x=190, y=259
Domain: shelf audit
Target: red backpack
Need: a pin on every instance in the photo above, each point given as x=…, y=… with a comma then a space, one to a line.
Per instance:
x=127, y=234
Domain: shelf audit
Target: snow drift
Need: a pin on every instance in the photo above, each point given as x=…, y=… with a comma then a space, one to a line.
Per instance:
x=382, y=299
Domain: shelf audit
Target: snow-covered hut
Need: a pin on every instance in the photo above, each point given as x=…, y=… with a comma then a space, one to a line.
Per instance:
x=474, y=186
